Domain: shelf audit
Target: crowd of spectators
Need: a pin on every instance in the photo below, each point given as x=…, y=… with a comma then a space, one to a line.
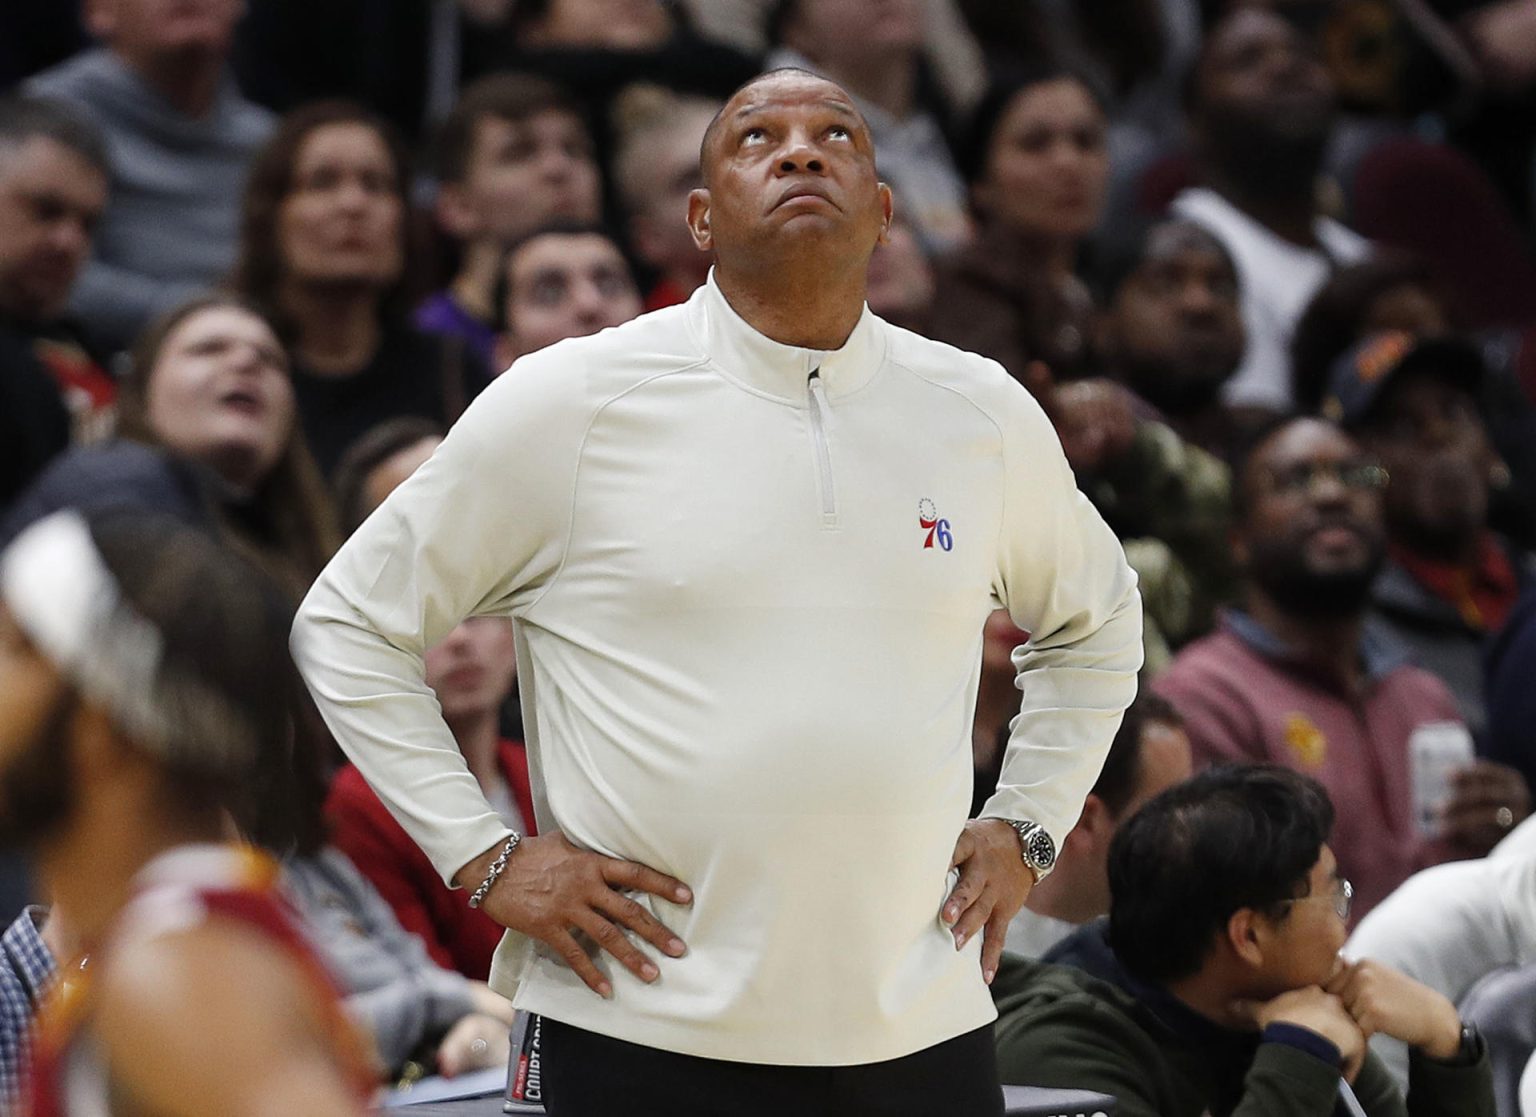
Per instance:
x=1269, y=268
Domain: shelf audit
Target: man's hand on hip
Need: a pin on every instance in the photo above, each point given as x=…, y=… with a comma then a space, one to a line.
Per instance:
x=994, y=883
x=550, y=889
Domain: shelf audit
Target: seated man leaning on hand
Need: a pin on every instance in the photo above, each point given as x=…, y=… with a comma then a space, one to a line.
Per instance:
x=1216, y=986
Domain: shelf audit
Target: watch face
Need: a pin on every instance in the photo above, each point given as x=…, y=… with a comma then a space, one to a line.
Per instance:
x=1042, y=851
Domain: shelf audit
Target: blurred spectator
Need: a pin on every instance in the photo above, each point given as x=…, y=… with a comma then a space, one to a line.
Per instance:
x=1392, y=290
x=1295, y=677
x=31, y=951
x=1261, y=109
x=406, y=1003
x=53, y=187
x=208, y=385
x=1150, y=754
x=1449, y=927
x=1035, y=161
x=656, y=167
x=148, y=690
x=902, y=285
x=1168, y=502
x=1216, y=987
x=1450, y=582
x=324, y=245
x=1388, y=290
x=180, y=137
x=875, y=52
x=513, y=155
x=950, y=48
x=1172, y=331
x=472, y=672
x=598, y=48
x=562, y=281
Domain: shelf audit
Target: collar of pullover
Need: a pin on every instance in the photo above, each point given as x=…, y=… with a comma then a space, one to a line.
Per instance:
x=770, y=368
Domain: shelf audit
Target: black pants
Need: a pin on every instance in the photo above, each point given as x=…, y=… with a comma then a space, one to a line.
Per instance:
x=589, y=1075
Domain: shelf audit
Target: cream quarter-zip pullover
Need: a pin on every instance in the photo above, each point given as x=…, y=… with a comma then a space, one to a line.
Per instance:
x=750, y=582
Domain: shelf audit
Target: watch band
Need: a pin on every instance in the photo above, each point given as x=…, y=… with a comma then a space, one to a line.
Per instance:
x=1036, y=847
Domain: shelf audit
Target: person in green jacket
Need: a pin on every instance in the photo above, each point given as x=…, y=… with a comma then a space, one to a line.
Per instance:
x=1216, y=986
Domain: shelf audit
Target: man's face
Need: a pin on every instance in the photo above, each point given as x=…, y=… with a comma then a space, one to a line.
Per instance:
x=1312, y=538
x=152, y=31
x=669, y=174
x=1261, y=82
x=471, y=670
x=561, y=286
x=1306, y=936
x=50, y=201
x=1175, y=327
x=523, y=174
x=790, y=174
x=36, y=707
x=1430, y=435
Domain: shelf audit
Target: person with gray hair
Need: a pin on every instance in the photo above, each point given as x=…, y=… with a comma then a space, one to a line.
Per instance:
x=180, y=136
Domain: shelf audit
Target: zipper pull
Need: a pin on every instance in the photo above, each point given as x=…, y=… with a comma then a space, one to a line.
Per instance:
x=818, y=393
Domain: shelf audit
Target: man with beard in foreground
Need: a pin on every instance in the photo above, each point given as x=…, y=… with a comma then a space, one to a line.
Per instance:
x=145, y=686
x=1295, y=677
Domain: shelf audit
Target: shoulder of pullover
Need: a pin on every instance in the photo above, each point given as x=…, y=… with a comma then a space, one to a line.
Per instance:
x=980, y=380
x=589, y=372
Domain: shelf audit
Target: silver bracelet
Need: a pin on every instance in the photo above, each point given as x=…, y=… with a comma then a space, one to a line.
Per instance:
x=494, y=872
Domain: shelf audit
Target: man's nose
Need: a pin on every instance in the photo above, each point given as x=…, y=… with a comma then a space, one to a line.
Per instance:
x=800, y=154
x=1198, y=300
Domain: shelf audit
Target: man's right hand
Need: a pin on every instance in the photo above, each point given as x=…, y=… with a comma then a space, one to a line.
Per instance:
x=550, y=889
x=1316, y=1011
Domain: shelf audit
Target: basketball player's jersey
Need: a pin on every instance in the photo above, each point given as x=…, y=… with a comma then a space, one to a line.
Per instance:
x=188, y=887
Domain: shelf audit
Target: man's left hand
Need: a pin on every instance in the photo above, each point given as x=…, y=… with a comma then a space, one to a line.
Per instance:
x=994, y=883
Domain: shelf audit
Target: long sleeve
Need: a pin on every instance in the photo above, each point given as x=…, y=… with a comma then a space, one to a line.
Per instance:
x=479, y=529
x=1064, y=579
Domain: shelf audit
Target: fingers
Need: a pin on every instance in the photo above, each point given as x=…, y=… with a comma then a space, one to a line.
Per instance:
x=581, y=964
x=995, y=935
x=643, y=878
x=967, y=891
x=610, y=938
x=972, y=919
x=625, y=910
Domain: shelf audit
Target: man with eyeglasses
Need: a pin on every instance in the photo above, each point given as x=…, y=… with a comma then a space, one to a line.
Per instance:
x=1216, y=985
x=1295, y=676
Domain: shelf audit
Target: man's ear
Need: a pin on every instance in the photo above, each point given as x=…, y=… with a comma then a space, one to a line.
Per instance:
x=698, y=219
x=454, y=213
x=888, y=206
x=1246, y=938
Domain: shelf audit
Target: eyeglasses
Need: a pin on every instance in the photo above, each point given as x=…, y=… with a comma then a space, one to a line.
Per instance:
x=1303, y=478
x=1343, y=899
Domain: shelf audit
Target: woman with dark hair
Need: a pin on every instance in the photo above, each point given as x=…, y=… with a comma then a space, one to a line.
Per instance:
x=1037, y=168
x=208, y=433
x=326, y=248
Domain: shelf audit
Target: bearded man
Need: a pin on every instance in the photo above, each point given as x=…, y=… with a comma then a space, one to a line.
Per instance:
x=1297, y=677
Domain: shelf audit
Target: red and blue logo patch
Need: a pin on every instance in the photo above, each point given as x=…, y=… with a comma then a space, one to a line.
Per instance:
x=938, y=529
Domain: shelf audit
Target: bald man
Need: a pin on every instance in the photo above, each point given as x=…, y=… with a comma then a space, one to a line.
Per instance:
x=750, y=543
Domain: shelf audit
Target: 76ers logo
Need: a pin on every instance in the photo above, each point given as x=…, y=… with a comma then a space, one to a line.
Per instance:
x=937, y=529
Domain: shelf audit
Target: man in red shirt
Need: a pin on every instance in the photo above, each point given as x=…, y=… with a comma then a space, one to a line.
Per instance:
x=1295, y=677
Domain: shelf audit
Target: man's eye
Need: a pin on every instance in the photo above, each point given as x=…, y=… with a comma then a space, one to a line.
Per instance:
x=753, y=135
x=838, y=132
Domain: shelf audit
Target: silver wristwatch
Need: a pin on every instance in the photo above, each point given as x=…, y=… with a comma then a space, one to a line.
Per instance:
x=1036, y=845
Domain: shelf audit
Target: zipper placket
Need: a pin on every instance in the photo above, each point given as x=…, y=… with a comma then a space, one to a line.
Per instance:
x=821, y=418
